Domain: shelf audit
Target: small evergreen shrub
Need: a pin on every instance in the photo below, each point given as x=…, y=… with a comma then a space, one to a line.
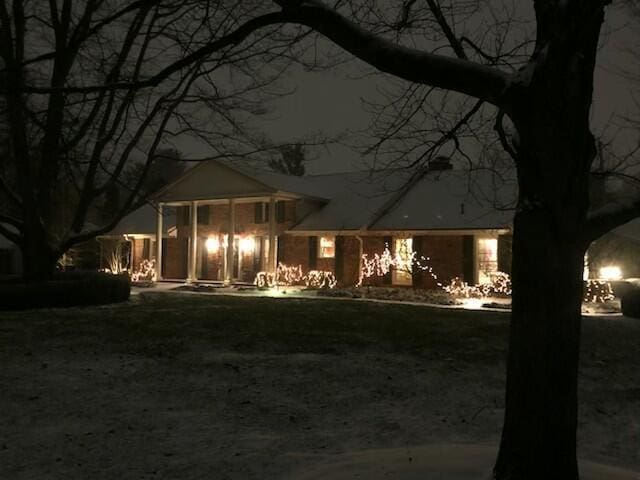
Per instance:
x=630, y=303
x=66, y=289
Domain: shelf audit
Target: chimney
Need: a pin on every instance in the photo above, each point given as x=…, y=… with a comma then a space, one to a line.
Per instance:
x=440, y=163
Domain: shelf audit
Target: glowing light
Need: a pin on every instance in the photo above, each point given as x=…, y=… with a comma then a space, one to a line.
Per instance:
x=212, y=244
x=610, y=272
x=327, y=247
x=289, y=276
x=597, y=291
x=472, y=303
x=247, y=244
x=405, y=260
x=146, y=271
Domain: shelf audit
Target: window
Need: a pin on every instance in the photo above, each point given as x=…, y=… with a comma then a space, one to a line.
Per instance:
x=403, y=259
x=327, y=247
x=487, y=258
x=261, y=212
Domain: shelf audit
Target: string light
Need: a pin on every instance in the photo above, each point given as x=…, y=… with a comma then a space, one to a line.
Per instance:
x=287, y=275
x=146, y=271
x=405, y=260
x=597, y=291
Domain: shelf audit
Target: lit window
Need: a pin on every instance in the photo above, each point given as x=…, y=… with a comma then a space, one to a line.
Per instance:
x=403, y=259
x=327, y=247
x=487, y=258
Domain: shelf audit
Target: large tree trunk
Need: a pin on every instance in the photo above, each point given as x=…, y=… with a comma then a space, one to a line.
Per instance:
x=539, y=433
x=38, y=256
x=554, y=153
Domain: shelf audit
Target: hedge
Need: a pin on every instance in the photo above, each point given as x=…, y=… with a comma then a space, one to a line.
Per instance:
x=66, y=289
x=630, y=303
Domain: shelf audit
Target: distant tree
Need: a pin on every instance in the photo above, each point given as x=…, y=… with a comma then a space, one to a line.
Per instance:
x=91, y=87
x=291, y=161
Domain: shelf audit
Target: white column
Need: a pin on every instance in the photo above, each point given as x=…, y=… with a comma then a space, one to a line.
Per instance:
x=159, y=229
x=193, y=243
x=271, y=262
x=230, y=234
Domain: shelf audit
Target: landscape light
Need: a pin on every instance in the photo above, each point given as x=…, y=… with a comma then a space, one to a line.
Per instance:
x=212, y=245
x=610, y=272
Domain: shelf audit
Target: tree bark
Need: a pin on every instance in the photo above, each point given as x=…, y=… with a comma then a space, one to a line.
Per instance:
x=38, y=256
x=539, y=432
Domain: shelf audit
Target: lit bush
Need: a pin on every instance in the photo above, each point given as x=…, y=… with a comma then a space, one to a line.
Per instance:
x=597, y=291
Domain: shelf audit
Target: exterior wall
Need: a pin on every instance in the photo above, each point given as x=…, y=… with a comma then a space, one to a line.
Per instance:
x=446, y=258
x=348, y=272
x=293, y=251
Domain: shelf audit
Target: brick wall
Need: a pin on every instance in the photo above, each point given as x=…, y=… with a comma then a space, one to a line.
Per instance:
x=350, y=261
x=294, y=251
x=218, y=220
x=445, y=253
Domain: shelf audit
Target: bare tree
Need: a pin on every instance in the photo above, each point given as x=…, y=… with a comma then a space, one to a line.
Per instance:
x=291, y=161
x=546, y=101
x=88, y=87
x=540, y=106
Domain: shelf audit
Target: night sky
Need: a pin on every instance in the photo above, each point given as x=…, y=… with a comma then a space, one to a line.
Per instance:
x=330, y=101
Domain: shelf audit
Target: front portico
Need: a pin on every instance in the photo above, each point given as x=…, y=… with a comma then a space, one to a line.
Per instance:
x=227, y=224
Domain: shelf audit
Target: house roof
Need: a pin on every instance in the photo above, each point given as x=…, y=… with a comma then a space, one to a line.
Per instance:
x=143, y=222
x=391, y=200
x=373, y=200
x=217, y=179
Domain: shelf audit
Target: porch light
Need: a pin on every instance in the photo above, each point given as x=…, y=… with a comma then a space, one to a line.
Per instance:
x=247, y=244
x=212, y=245
x=610, y=272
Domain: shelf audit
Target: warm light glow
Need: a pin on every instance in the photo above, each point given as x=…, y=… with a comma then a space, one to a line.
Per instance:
x=212, y=244
x=487, y=255
x=247, y=244
x=327, y=247
x=472, y=303
x=610, y=272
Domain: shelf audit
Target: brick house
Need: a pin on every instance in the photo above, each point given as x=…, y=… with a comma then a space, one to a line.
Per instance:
x=222, y=222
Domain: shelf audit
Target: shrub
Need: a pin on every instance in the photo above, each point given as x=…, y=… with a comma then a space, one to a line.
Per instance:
x=630, y=303
x=66, y=289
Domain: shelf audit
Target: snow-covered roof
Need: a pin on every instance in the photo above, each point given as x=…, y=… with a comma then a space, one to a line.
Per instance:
x=143, y=222
x=391, y=200
x=217, y=179
x=629, y=230
x=374, y=200
x=5, y=243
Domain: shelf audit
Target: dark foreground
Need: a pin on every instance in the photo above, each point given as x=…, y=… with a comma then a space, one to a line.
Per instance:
x=183, y=386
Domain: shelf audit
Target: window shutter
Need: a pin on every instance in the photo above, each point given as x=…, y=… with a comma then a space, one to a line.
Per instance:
x=203, y=215
x=183, y=215
x=388, y=243
x=339, y=259
x=468, y=259
x=280, y=211
x=257, y=212
x=504, y=253
x=146, y=246
x=313, y=253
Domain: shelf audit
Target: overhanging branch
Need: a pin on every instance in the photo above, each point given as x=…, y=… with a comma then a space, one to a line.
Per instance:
x=460, y=75
x=609, y=217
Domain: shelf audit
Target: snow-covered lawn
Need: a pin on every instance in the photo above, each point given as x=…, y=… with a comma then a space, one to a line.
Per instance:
x=189, y=386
